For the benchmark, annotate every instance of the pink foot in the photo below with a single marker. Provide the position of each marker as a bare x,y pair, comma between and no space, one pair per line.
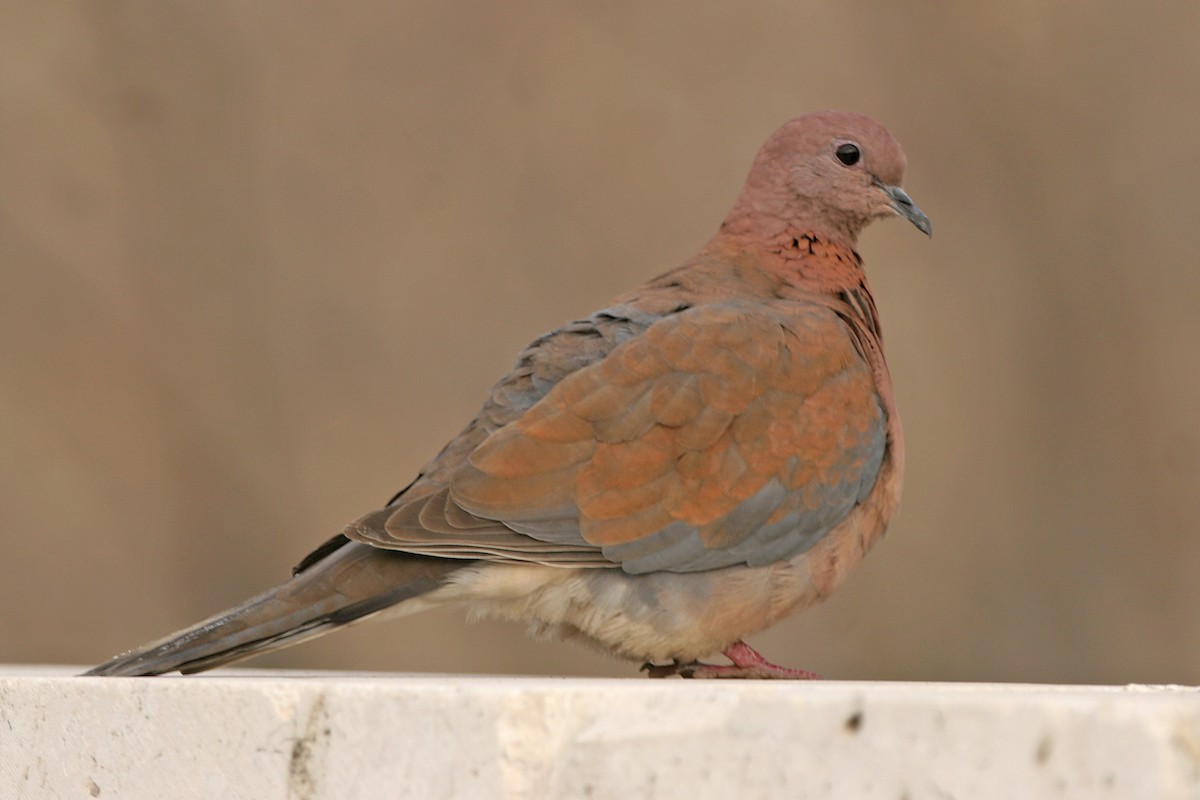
747,663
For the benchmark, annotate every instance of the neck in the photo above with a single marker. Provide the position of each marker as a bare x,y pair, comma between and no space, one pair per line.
802,255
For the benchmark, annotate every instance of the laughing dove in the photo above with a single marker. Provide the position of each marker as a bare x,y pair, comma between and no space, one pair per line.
709,453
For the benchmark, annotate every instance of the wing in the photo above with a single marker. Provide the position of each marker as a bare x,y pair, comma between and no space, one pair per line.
729,434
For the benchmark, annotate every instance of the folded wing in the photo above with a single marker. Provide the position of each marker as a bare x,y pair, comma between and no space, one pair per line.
721,435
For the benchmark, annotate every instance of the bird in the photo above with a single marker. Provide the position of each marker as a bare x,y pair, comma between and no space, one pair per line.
705,455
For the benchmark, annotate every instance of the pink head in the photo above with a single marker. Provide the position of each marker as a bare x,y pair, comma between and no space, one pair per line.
829,173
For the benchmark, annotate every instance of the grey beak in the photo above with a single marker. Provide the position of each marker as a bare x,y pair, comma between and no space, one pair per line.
905,207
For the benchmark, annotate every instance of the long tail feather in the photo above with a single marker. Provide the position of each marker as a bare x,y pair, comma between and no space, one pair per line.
351,583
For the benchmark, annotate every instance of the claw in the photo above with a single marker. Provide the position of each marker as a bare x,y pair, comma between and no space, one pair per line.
747,664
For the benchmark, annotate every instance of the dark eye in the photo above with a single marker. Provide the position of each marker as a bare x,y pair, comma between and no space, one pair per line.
848,154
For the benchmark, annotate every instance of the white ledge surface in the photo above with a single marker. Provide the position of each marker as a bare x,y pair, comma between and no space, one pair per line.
265,735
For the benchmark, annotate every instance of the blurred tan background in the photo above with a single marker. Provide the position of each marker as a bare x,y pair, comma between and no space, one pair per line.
258,261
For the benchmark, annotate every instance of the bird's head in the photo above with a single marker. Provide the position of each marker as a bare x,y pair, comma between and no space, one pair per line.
831,172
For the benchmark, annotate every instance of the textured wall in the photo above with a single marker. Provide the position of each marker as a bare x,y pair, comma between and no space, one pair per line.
259,260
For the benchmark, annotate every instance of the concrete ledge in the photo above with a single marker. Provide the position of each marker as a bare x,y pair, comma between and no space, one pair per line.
265,735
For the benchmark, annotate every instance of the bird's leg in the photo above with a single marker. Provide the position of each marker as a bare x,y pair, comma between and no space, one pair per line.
747,663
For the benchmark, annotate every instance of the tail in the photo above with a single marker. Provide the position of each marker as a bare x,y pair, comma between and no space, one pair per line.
350,583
